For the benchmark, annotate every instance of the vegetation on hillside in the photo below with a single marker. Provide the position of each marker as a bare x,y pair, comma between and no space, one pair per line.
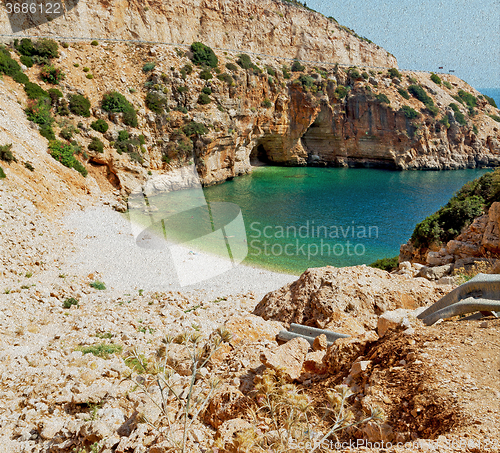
469,202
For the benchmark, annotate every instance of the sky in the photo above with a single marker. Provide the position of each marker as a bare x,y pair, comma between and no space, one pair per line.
462,35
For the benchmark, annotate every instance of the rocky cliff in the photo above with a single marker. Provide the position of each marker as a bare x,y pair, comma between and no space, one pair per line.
277,28
224,118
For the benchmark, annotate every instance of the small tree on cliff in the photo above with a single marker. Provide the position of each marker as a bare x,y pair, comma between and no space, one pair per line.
203,55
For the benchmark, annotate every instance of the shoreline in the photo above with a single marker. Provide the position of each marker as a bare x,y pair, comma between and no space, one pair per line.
106,245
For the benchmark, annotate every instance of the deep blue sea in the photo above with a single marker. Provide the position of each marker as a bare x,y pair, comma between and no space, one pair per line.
297,218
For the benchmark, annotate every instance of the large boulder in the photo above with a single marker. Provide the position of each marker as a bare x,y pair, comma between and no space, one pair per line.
345,299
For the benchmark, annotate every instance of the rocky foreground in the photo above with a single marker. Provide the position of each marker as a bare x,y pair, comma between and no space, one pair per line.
90,369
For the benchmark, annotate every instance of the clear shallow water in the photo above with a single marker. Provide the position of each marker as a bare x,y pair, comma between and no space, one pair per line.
297,218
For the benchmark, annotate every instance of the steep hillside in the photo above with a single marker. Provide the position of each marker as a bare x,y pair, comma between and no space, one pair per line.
271,27
245,109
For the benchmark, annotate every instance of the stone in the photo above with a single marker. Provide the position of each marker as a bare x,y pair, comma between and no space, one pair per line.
374,432
359,367
314,362
491,237
320,343
229,429
329,296
391,319
227,403
435,273
51,427
288,358
341,354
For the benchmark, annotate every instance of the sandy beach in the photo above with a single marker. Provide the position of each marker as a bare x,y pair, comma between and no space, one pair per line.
106,244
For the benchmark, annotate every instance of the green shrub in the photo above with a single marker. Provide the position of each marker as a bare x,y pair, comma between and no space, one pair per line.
20,77
27,61
474,128
365,75
94,43
46,48
85,69
194,128
187,68
204,99
491,101
205,75
459,116
96,145
26,48
98,285
306,81
63,108
495,117
232,67
6,153
8,65
149,66
341,92
469,202
271,71
51,74
67,133
54,95
69,302
29,166
394,73
79,105
267,103
404,93
155,102
64,153
418,92
102,350
447,222
409,112
206,90
386,264
286,72
182,89
244,61
90,76
115,102
354,73
468,98
383,98
37,59
2,174
47,132
99,126
436,79
34,91
432,109
445,121
297,66
447,84
225,77
38,111
203,55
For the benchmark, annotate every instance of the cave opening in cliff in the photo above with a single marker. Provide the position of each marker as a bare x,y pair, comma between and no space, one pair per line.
258,156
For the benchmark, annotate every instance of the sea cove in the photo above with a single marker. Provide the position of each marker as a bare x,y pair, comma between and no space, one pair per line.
301,217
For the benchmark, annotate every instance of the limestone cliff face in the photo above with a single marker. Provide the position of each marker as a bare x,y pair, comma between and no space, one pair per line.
270,27
319,115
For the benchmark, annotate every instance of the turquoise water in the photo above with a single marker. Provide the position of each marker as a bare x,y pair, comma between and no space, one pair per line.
333,216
